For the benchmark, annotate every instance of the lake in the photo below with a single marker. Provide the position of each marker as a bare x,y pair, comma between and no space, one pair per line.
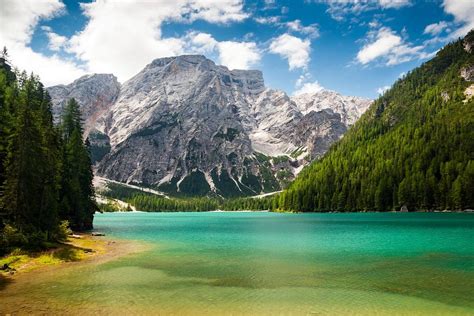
269,263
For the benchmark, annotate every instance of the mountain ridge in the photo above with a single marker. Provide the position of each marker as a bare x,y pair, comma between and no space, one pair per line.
188,126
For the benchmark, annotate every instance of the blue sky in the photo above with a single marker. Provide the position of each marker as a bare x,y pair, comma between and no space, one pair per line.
353,47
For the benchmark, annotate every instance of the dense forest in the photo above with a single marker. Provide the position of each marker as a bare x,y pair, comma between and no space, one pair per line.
149,202
414,147
45,169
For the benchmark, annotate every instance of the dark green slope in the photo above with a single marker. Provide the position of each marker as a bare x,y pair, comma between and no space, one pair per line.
414,147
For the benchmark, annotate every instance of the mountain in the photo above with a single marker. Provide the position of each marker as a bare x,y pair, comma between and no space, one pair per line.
412,150
350,108
95,93
187,126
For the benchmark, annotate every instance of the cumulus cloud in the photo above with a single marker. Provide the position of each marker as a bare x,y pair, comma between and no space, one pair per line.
19,19
386,46
214,11
238,55
309,87
122,37
56,41
311,30
463,12
52,70
435,28
202,43
234,55
293,49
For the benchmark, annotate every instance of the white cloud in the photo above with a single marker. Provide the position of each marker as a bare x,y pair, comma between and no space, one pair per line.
214,11
390,48
463,12
122,37
234,55
19,19
292,48
384,43
395,4
238,55
309,87
56,41
338,9
311,30
435,28
52,70
382,90
202,43
268,19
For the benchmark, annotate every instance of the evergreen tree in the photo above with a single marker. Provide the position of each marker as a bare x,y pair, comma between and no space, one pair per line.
45,171
30,186
77,193
413,147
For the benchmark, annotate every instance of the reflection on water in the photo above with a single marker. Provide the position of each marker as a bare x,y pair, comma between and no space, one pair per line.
263,263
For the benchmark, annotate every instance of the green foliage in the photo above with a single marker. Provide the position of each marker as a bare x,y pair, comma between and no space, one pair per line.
63,231
249,204
41,166
414,147
261,158
280,159
149,203
77,193
194,184
111,207
121,192
11,238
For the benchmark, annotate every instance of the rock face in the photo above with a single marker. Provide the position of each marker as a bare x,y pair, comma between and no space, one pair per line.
94,93
468,73
188,126
350,108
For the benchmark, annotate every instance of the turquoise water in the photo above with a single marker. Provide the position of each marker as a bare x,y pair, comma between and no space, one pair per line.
267,263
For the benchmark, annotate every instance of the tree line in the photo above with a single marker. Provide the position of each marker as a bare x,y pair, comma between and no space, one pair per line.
149,202
414,147
45,169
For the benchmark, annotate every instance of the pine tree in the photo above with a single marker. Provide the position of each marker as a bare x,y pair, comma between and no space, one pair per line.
29,197
77,193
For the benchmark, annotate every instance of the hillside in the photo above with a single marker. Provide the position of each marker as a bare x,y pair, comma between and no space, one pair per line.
414,147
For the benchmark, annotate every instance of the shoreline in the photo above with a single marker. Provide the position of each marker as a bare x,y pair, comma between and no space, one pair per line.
80,249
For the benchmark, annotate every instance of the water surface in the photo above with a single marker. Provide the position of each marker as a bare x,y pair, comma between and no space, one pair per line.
266,263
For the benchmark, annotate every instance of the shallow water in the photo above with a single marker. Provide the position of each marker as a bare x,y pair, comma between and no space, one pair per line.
266,263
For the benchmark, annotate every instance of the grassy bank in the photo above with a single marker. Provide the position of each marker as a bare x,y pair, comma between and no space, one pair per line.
75,249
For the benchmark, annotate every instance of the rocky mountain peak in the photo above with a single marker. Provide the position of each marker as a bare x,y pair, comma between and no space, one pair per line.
188,126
